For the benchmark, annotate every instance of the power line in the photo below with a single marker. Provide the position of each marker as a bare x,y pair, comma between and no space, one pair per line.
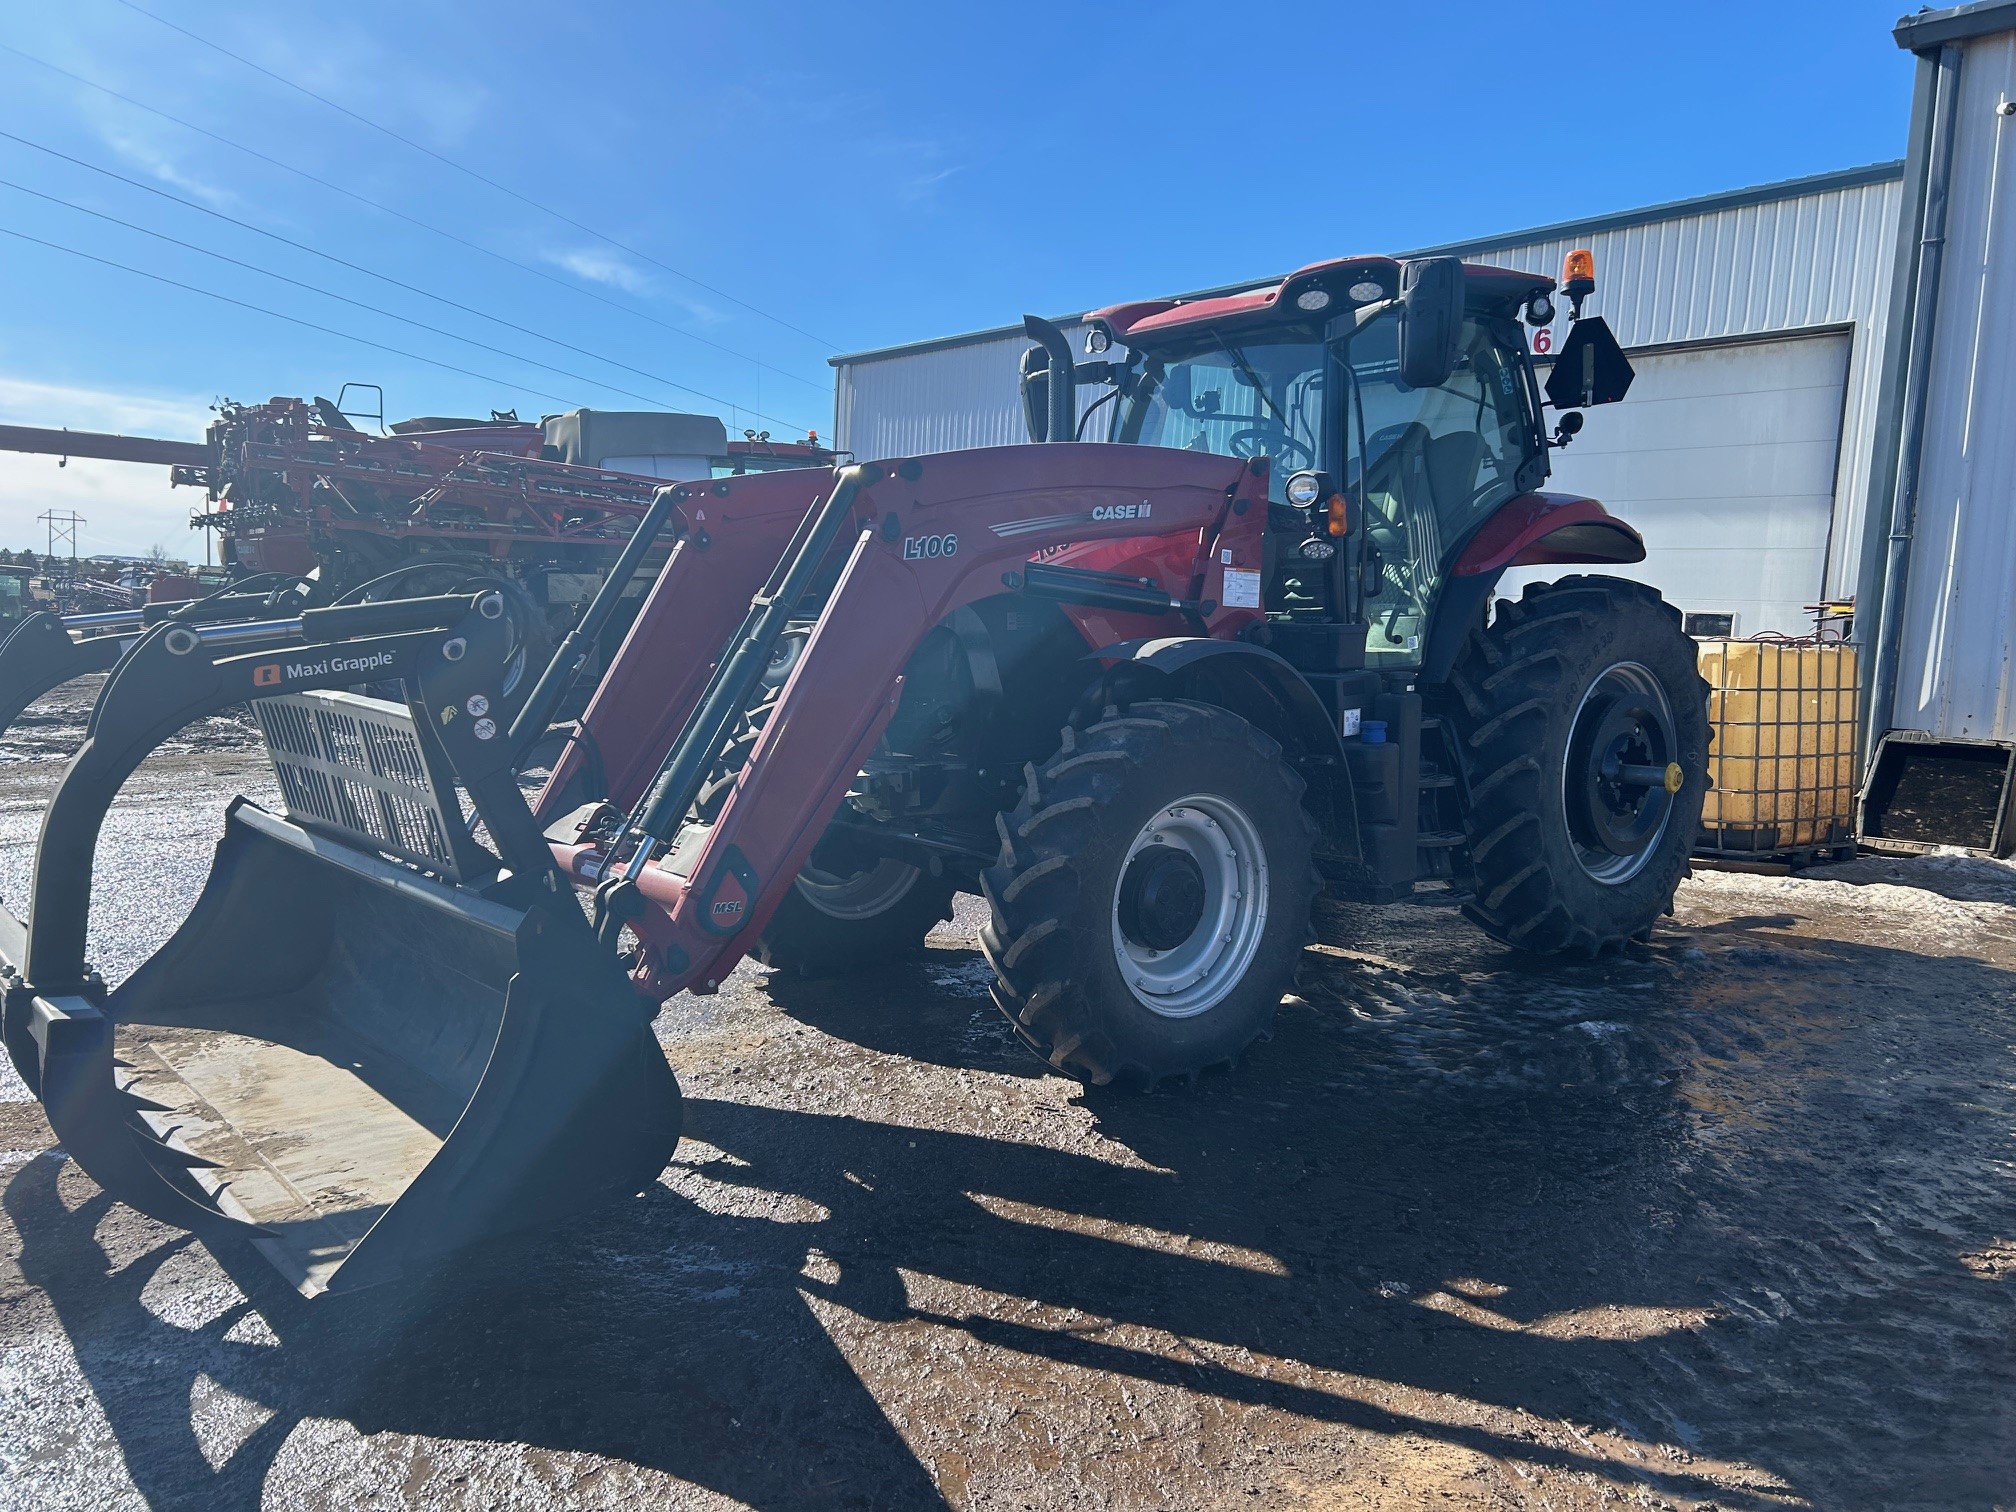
413,220
480,178
172,283
371,308
396,283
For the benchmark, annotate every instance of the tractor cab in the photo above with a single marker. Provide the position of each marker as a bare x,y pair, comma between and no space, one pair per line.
1395,400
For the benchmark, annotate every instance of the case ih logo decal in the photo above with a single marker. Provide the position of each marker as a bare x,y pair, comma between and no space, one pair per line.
1046,524
921,548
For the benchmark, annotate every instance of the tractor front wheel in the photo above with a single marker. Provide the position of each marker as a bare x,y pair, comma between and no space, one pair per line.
1584,730
834,922
1152,898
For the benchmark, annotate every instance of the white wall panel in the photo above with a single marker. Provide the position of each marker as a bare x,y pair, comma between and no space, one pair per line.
1957,675
1724,459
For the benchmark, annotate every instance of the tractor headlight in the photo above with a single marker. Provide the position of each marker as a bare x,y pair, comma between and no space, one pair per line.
1303,489
1540,310
1097,341
1316,549
1312,300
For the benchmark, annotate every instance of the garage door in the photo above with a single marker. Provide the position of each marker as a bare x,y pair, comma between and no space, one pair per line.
1723,458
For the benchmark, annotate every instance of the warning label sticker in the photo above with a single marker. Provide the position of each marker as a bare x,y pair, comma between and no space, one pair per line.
1242,588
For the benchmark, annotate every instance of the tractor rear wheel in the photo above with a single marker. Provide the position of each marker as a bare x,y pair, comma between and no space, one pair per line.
1152,897
1584,730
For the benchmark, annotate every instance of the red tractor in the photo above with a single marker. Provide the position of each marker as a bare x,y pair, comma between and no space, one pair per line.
1150,696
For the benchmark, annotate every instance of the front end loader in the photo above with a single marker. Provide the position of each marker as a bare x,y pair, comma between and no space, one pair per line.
1150,695
359,1063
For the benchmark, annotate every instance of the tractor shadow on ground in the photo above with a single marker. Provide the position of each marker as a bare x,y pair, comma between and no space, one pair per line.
933,1008
1678,1197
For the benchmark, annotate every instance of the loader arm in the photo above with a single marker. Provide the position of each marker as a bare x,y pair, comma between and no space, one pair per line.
729,534
922,538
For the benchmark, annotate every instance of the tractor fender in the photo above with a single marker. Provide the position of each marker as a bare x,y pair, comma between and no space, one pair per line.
1534,528
1262,688
1527,530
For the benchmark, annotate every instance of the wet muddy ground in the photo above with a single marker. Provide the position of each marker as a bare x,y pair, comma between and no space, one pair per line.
1730,1222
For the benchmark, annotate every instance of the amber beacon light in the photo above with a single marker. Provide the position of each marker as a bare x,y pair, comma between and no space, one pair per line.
1578,277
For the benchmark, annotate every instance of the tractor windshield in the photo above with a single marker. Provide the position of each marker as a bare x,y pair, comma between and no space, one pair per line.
1235,399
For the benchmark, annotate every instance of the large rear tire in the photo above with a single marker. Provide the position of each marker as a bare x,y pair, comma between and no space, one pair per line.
1584,729
1152,898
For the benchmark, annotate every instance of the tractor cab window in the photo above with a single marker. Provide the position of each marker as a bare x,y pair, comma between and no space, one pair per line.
1433,463
1236,399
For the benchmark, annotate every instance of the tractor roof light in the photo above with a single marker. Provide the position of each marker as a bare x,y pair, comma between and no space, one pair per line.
1578,278
1097,340
1312,300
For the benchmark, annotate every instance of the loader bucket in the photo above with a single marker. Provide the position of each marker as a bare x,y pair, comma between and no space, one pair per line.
362,1070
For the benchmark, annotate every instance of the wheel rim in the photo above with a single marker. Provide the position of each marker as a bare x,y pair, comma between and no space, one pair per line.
1619,779
1190,905
858,895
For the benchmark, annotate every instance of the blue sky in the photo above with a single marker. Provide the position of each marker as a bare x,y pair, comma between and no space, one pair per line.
793,181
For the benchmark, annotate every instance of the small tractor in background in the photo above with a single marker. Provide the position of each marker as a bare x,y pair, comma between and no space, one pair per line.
1149,695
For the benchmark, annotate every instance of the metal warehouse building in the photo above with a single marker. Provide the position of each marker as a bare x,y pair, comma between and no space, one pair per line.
1755,321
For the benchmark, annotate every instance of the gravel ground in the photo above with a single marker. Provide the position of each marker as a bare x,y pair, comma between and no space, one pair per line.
1730,1222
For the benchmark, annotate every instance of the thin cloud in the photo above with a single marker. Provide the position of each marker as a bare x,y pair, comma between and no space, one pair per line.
924,186
140,149
128,507
30,401
600,267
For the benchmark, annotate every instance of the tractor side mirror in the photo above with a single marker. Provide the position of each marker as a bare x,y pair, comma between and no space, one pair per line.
1431,320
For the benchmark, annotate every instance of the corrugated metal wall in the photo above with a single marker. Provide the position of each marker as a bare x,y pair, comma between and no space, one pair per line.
946,399
1782,265
1806,260
1957,673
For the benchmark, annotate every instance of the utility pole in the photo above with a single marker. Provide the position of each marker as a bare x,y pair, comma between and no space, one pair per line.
63,532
